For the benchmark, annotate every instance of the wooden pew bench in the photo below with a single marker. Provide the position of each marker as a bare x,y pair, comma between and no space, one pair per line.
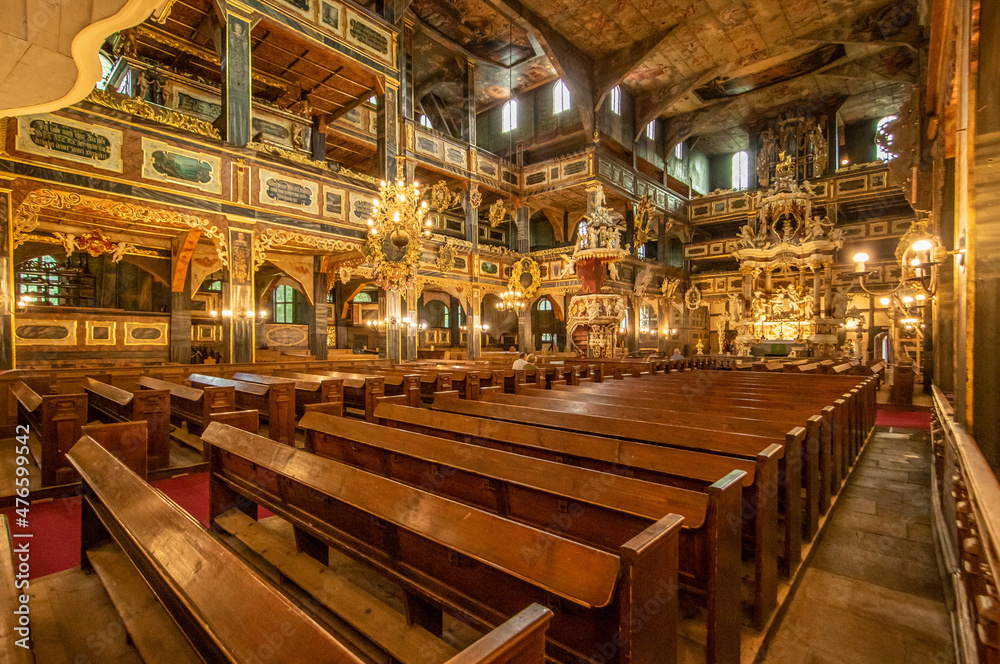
312,389
594,508
361,390
192,406
272,397
15,636
54,421
449,557
184,597
778,460
151,406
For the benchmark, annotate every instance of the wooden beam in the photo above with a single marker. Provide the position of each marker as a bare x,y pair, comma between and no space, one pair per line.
574,66
651,106
350,106
184,248
616,66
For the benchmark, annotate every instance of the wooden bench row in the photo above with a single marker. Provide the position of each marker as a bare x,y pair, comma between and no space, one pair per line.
184,596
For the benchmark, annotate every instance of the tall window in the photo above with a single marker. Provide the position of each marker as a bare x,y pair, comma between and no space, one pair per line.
560,97
284,304
616,100
508,120
741,170
426,121
883,139
363,297
651,130
544,305
645,316
679,150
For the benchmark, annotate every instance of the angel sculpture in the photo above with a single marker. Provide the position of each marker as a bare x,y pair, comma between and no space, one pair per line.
817,229
118,252
746,237
613,271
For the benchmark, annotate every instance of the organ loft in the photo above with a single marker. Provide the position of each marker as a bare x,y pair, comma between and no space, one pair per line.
499,332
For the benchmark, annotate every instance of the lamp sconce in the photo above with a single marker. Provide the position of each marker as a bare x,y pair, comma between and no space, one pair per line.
921,263
22,304
242,314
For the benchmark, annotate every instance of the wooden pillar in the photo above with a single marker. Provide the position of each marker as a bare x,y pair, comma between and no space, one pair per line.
319,317
8,294
984,240
241,296
828,288
318,138
817,286
233,46
456,327
393,328
387,132
470,101
180,297
406,68
525,341
833,145
471,221
473,324
413,329
752,150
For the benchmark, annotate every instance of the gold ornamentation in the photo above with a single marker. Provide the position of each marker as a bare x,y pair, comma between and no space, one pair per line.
692,298
643,216
26,218
767,154
497,213
397,233
442,198
285,153
331,336
131,328
62,238
110,325
148,111
346,172
475,196
445,257
271,237
526,264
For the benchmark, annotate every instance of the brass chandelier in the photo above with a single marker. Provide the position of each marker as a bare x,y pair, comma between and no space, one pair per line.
396,232
512,300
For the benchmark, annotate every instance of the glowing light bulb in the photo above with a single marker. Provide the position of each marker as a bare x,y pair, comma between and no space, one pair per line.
922,245
915,262
907,299
921,297
395,215
884,302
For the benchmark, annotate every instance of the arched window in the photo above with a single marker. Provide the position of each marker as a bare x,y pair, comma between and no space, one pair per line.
426,121
508,120
363,297
437,314
679,150
651,130
560,97
544,305
883,139
616,100
284,304
741,170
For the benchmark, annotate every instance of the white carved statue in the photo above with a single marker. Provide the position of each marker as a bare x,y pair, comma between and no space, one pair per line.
840,304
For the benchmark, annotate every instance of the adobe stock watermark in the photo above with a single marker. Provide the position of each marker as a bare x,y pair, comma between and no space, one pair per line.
21,537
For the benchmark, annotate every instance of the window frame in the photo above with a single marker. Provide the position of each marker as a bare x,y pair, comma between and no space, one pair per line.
651,130
562,100
425,121
284,305
741,170
508,116
679,150
616,100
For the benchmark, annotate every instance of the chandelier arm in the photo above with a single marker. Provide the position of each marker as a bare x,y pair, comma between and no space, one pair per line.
877,293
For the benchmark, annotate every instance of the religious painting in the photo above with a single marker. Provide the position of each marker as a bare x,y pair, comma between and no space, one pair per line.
44,332
329,15
101,333
300,7
731,86
288,192
145,334
61,138
335,203
165,163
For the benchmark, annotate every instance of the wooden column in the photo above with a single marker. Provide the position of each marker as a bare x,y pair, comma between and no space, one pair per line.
752,150
470,101
525,341
471,221
241,302
318,138
406,68
319,317
412,331
8,294
393,329
473,321
388,132
233,47
181,251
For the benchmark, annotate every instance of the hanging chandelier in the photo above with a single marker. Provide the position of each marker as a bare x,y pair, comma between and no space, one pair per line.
512,300
397,228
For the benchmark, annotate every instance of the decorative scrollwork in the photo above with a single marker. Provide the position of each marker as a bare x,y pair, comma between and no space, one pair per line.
290,155
26,218
498,212
692,298
445,257
442,198
159,114
530,266
669,287
643,229
475,196
274,237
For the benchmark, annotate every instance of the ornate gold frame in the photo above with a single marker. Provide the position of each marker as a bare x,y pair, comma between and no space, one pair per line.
529,264
164,339
112,339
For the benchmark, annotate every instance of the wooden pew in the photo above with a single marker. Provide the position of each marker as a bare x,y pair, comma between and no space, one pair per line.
15,633
606,402
311,389
450,557
150,406
54,421
778,459
272,397
191,405
127,441
591,507
360,390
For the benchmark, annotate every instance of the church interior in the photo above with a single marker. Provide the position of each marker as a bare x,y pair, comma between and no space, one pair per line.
346,331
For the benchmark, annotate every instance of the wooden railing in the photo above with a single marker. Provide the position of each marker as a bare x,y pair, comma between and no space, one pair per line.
966,504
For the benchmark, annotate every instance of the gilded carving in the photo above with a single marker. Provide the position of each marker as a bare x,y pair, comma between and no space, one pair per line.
148,111
273,237
498,212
